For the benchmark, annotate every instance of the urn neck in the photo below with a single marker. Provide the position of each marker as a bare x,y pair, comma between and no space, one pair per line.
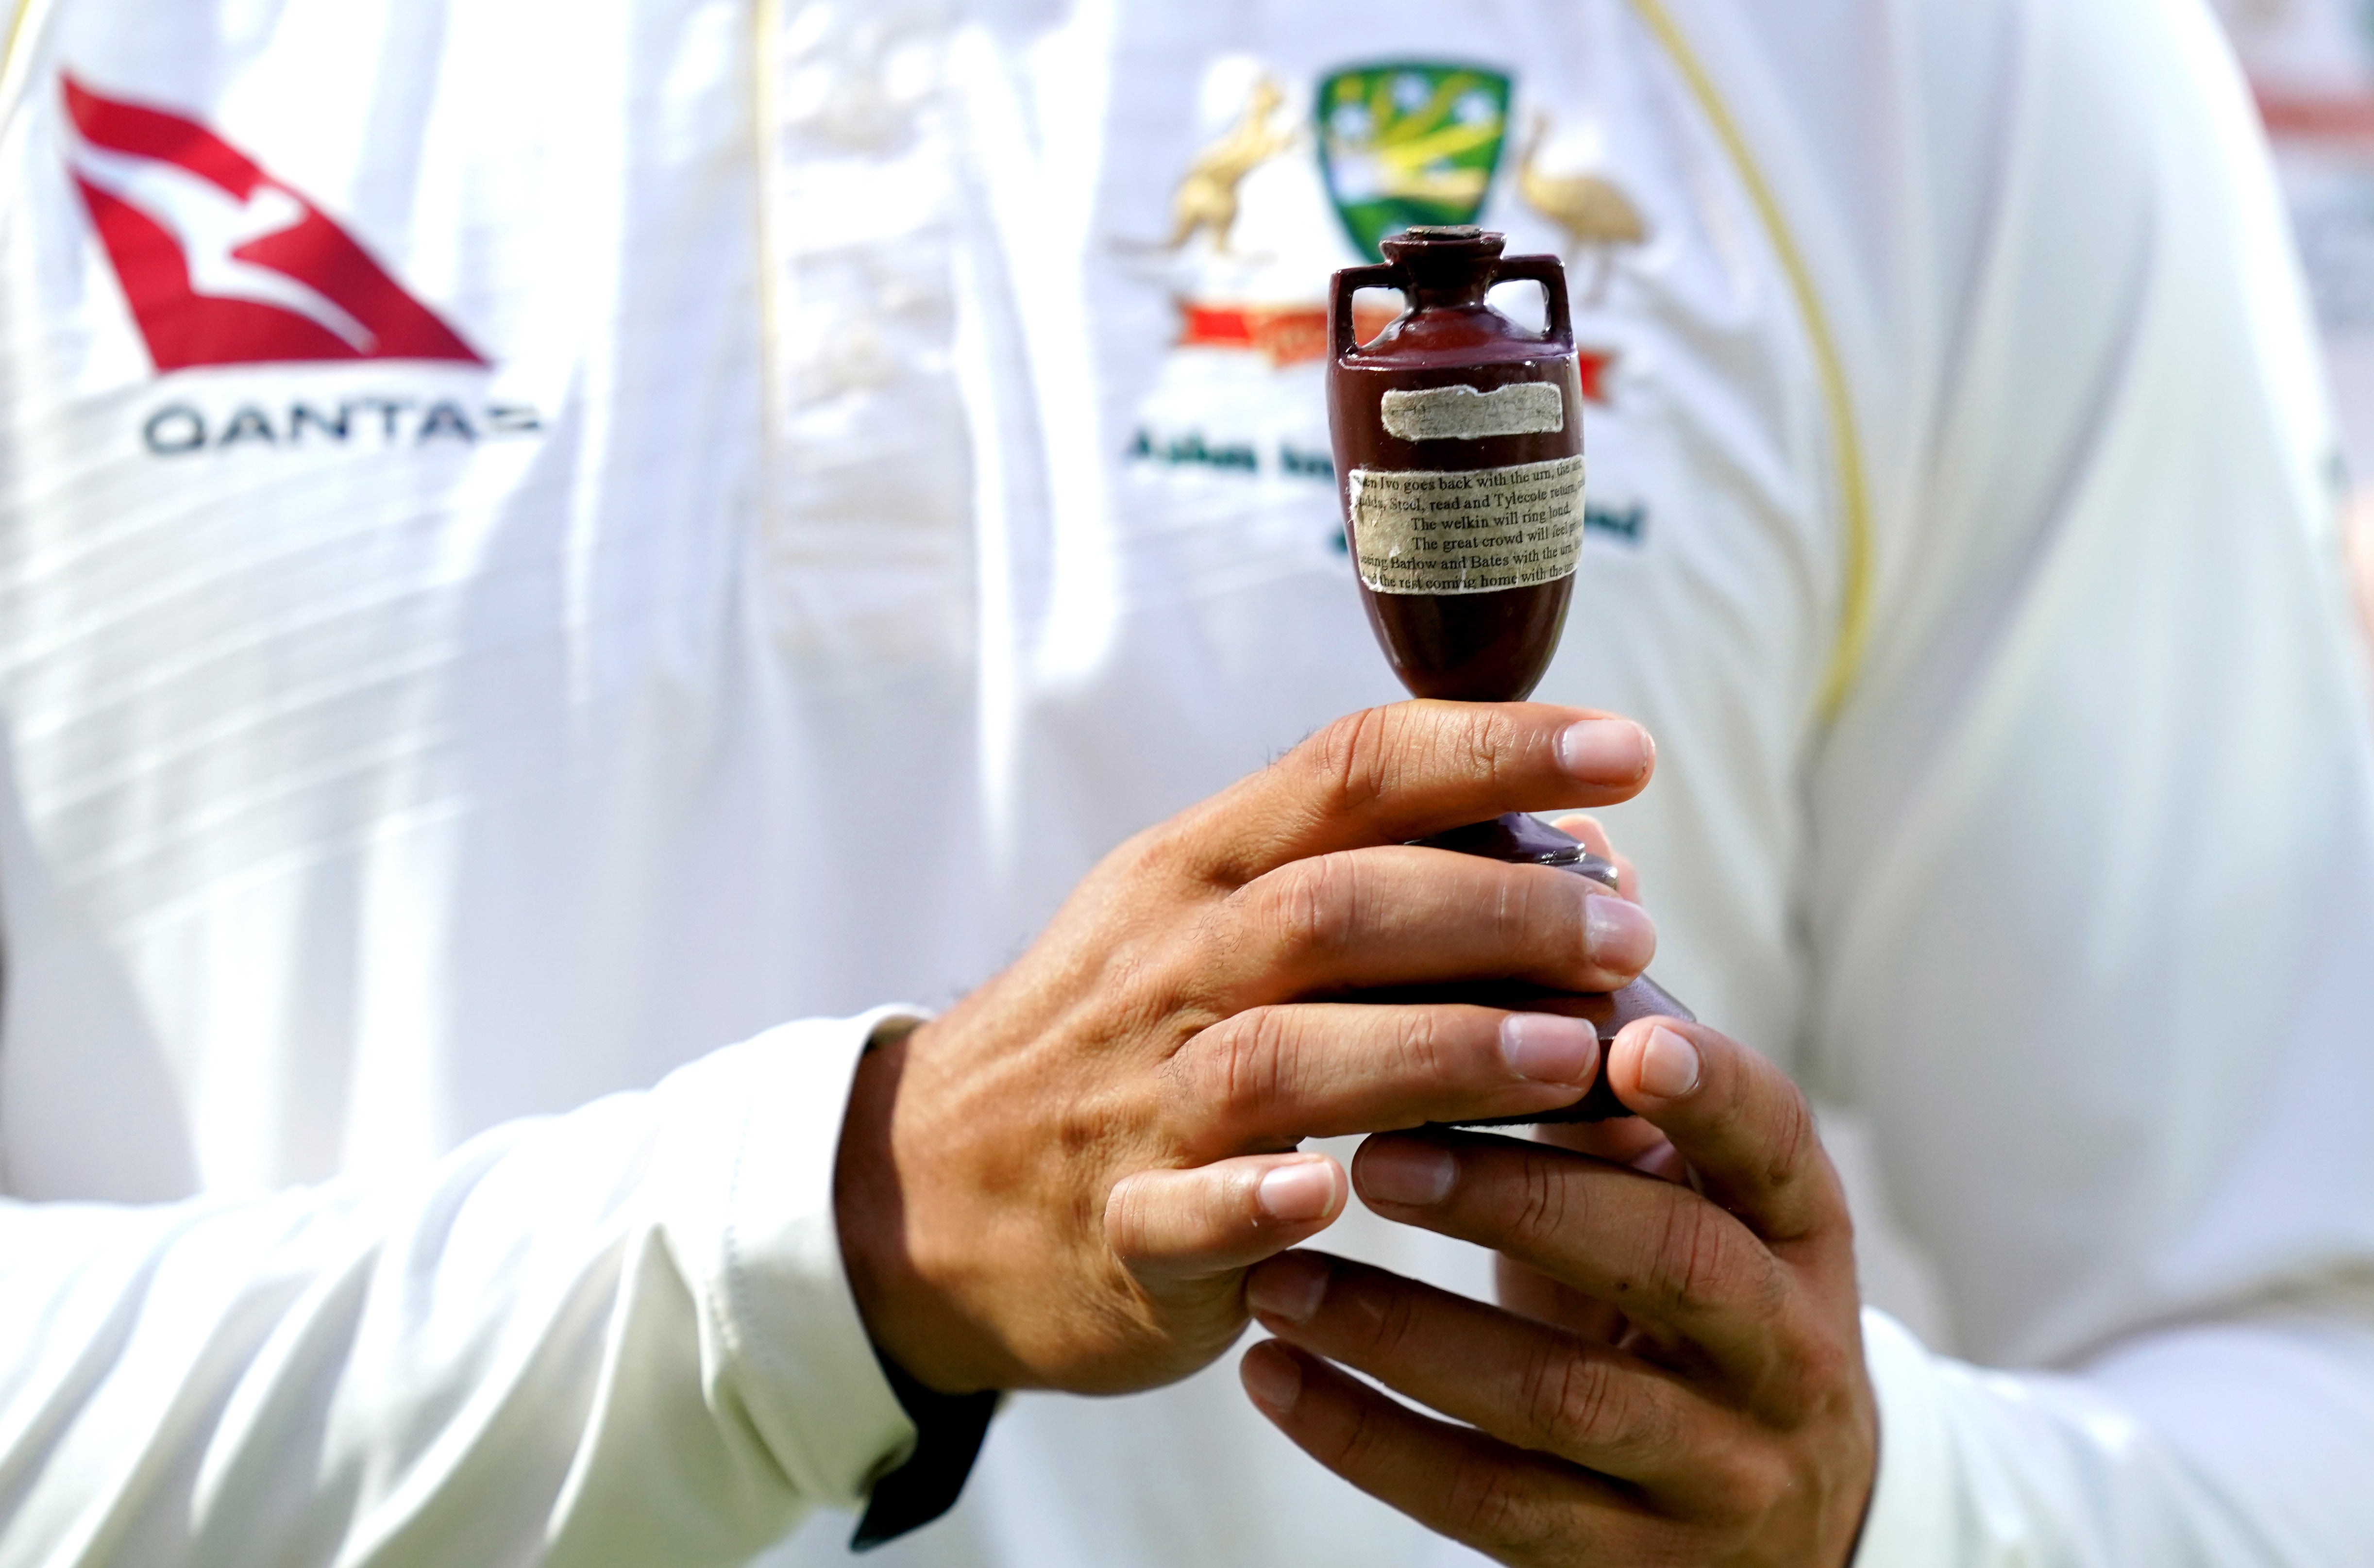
1447,267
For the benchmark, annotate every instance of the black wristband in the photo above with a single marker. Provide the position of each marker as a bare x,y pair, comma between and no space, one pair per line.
948,1433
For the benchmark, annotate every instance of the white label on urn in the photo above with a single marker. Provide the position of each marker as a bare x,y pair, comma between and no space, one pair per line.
1472,532
1465,414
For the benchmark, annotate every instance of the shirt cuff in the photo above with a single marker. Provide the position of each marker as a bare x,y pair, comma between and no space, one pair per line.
1912,1498
948,1433
758,1135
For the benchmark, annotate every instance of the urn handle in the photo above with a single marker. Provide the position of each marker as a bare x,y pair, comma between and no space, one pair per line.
1344,285
1550,273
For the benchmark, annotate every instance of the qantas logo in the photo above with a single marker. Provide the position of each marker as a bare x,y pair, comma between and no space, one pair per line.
222,264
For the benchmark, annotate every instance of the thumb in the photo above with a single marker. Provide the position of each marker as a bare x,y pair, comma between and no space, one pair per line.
1172,1226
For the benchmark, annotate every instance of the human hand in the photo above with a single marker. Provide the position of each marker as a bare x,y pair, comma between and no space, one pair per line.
1686,1383
1594,839
1059,1183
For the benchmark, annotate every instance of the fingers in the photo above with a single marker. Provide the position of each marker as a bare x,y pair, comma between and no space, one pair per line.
1516,1505
1620,1140
1594,839
1172,1225
1663,1254
1535,1295
1397,916
1522,1382
1388,774
1317,1070
1744,1128
1627,1142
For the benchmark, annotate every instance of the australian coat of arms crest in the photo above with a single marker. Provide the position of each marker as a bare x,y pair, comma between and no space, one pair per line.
1408,144
1290,182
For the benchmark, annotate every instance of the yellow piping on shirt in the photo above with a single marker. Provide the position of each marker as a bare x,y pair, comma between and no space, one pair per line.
1854,611
16,14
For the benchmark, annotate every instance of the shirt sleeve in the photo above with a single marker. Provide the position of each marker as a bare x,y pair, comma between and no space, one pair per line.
2091,905
622,1336
2089,898
2160,1453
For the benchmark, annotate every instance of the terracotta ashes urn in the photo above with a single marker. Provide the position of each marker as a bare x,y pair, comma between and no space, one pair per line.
1458,441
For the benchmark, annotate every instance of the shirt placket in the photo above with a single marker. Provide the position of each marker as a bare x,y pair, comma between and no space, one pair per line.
864,540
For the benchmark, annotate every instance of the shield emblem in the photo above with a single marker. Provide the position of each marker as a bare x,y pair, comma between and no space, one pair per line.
1408,144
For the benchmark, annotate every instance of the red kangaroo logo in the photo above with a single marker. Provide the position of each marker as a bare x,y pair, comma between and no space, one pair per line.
222,264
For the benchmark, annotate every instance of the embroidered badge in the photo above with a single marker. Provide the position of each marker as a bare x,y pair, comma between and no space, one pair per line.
1598,218
1204,201
1409,142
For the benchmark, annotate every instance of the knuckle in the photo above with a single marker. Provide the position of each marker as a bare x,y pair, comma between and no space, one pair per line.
1793,1142
1594,1405
1389,1322
1706,1266
1755,1483
1421,1046
1538,1208
1312,907
1485,1502
1242,1064
1835,1361
1819,1366
1367,1442
1351,762
1517,907
1484,742
1183,856
1084,1127
1574,1400
1546,915
1128,1227
1359,760
1159,850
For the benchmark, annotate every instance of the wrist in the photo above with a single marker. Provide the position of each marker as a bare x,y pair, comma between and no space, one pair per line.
911,1318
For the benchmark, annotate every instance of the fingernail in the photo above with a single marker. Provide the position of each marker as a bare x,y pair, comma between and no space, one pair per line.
1619,932
1406,1172
1669,1065
1292,1194
1548,1049
1273,1377
1290,1285
1605,750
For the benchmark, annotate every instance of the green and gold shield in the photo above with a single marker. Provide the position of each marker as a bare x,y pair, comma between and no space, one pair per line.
1409,142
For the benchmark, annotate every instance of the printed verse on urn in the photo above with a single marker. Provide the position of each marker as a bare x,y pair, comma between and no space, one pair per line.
1472,532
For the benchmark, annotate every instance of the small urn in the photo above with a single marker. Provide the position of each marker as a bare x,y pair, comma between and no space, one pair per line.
1458,441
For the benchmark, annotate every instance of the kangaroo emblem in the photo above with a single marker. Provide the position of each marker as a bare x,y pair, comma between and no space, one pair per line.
1205,200
1598,218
